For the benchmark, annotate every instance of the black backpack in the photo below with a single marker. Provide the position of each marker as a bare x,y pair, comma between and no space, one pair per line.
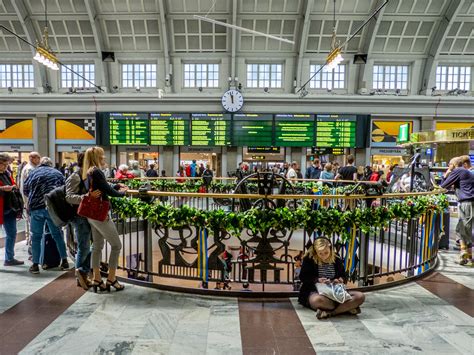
17,203
60,211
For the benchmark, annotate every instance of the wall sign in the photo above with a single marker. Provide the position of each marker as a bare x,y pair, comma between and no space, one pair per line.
17,148
16,130
385,133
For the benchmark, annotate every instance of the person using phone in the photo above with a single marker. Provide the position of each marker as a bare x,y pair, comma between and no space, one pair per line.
322,265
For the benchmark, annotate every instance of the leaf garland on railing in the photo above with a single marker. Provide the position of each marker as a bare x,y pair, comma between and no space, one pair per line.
323,220
229,187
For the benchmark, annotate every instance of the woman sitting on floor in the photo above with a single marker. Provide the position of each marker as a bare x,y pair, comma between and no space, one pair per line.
322,265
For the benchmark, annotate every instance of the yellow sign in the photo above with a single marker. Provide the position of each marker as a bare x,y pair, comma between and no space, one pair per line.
452,135
387,131
15,129
455,135
441,126
74,129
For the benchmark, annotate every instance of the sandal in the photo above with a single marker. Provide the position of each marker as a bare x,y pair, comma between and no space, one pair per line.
115,284
82,280
355,311
320,314
99,285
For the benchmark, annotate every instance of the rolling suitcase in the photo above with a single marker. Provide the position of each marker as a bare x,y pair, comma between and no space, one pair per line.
51,257
444,238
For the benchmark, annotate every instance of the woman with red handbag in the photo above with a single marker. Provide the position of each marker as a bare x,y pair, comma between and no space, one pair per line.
97,212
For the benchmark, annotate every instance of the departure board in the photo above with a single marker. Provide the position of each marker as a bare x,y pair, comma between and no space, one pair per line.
336,131
252,130
169,129
211,129
293,130
128,128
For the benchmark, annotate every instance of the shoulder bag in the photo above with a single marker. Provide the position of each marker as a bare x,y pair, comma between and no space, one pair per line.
93,208
335,292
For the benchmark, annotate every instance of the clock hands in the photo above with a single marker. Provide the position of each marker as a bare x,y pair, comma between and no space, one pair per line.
232,98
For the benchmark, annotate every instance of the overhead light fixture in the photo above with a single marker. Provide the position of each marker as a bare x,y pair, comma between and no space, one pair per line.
335,56
44,54
334,59
243,29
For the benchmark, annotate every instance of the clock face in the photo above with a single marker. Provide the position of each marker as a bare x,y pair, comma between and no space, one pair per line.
232,100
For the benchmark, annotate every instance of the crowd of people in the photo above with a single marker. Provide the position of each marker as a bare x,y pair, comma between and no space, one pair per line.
38,178
320,265
318,170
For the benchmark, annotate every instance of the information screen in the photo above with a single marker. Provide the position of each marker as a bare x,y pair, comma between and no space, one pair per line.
294,130
211,129
253,130
336,131
128,128
169,129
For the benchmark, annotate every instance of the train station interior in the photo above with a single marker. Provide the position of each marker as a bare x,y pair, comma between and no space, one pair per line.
236,176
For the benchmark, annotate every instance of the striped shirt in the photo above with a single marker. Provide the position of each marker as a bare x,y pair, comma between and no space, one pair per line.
39,182
326,271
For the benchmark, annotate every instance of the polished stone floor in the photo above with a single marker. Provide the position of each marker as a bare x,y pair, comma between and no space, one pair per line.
408,319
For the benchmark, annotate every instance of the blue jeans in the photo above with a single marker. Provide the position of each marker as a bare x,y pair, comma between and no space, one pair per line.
82,231
9,226
38,218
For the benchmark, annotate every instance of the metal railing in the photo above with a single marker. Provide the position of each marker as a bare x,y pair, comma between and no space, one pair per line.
162,255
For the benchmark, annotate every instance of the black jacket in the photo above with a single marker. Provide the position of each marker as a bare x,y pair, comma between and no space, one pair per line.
309,276
100,183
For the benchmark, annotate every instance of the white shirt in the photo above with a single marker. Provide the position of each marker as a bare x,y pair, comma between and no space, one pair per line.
24,174
291,174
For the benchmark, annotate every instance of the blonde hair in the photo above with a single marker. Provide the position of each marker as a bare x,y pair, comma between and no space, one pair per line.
328,167
456,161
464,159
91,160
321,244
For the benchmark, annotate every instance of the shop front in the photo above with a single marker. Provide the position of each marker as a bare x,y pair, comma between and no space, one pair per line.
204,156
387,157
72,136
263,158
383,151
16,139
143,155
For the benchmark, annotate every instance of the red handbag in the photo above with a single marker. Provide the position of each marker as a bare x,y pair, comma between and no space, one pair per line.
93,208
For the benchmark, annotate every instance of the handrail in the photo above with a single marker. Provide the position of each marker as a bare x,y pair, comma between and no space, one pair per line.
405,245
234,178
283,197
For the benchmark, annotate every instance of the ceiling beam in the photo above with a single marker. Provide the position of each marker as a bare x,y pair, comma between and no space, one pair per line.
428,79
24,17
367,44
165,40
92,13
303,42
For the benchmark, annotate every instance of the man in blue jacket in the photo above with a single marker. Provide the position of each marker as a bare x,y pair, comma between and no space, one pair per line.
314,171
462,178
40,181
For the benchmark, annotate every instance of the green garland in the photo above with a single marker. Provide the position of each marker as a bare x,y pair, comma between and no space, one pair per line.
324,220
221,187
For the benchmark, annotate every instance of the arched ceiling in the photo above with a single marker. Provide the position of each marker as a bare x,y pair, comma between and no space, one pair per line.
407,26
149,28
